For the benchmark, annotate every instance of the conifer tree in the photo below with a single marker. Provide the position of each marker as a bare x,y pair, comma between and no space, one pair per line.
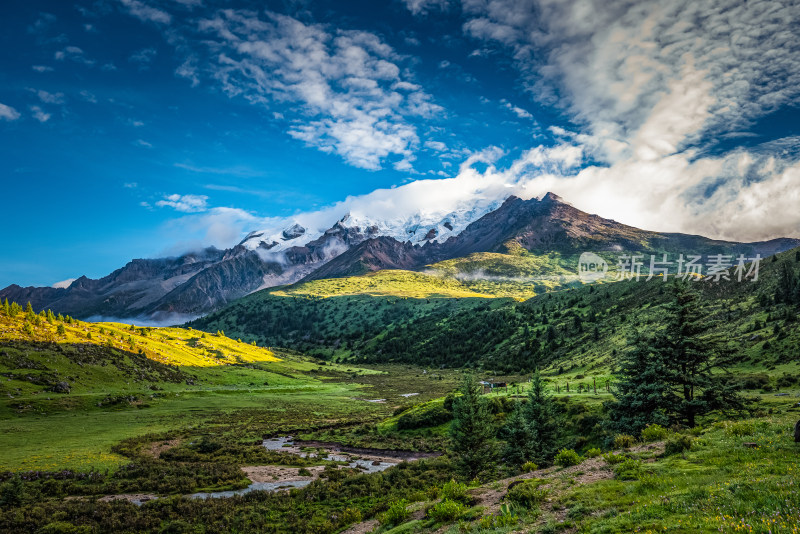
640,389
517,435
787,288
471,431
533,430
7,308
543,421
674,372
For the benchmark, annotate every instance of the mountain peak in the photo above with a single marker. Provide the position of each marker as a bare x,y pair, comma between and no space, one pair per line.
552,197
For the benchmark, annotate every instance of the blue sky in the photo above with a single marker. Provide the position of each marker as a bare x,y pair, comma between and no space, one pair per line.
140,128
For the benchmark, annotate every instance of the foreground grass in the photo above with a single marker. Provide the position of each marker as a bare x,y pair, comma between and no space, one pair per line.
720,485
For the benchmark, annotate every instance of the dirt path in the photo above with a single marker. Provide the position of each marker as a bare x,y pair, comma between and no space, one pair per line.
491,495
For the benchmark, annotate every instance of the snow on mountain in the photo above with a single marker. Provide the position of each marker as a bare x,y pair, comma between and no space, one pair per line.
434,224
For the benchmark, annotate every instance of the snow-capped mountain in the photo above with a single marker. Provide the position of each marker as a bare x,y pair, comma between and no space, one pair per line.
328,246
417,227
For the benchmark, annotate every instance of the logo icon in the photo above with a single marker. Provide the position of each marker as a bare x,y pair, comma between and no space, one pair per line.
591,267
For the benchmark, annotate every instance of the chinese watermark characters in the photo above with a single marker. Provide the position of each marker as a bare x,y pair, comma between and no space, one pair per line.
713,268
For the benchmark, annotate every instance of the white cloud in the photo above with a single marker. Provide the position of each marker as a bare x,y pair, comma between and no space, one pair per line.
649,82
188,70
39,114
7,113
518,111
50,98
349,93
185,203
64,283
146,13
88,97
142,143
42,68
418,7
220,227
143,57
73,53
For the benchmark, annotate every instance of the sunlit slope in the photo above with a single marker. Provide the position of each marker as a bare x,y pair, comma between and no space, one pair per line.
389,282
50,363
519,274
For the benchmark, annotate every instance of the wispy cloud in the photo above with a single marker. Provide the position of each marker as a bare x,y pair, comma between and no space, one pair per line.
228,171
142,143
39,114
143,57
73,53
7,113
42,68
418,7
349,93
146,13
518,111
185,203
49,98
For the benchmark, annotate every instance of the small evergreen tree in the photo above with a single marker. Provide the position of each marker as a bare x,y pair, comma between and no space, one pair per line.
471,431
7,308
787,289
640,390
517,435
543,421
60,330
533,430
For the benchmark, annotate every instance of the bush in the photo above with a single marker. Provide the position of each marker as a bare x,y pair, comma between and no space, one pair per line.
613,459
654,433
677,445
60,527
446,511
351,515
424,417
527,467
740,429
396,514
624,441
454,491
594,452
629,469
567,457
303,472
527,494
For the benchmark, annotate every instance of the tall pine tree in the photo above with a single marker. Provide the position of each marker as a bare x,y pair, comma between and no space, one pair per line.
471,432
544,422
640,390
677,372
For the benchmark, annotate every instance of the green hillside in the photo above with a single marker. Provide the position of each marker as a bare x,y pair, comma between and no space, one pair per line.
102,382
575,331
